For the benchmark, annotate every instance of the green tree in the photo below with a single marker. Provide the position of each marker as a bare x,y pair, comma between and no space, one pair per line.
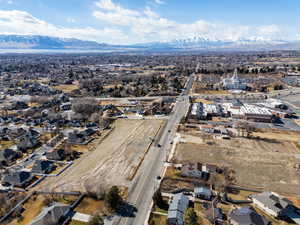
113,198
190,217
158,199
96,220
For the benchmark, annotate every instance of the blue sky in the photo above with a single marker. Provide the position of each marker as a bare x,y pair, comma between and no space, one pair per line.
134,21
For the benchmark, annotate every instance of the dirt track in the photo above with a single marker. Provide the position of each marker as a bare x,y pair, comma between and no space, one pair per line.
113,161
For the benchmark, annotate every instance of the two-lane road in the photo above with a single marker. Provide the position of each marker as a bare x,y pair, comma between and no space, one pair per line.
145,183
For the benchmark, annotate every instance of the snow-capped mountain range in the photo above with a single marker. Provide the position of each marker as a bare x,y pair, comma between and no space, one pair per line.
189,44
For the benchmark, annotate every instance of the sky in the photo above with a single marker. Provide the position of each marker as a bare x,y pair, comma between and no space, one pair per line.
142,21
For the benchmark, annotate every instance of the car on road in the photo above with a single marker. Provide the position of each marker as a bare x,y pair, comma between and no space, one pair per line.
158,177
169,131
159,145
278,125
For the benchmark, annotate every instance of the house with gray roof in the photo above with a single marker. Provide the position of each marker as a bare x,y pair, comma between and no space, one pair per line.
247,216
270,202
42,167
18,179
59,154
203,193
7,156
195,170
276,206
53,214
179,204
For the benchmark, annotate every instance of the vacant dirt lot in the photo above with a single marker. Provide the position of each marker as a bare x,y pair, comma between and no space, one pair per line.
114,160
259,163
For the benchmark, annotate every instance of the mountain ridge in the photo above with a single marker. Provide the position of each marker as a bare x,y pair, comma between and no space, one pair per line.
189,44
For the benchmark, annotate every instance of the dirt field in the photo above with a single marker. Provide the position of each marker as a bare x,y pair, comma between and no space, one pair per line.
113,161
259,163
67,88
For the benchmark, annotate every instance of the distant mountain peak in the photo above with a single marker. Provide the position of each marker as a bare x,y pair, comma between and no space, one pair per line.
45,42
196,43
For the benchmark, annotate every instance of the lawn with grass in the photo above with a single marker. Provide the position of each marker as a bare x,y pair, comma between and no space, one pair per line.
32,209
156,219
91,206
74,222
6,144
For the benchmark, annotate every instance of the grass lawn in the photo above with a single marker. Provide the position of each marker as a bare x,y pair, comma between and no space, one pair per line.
90,206
68,199
225,208
172,173
6,144
158,219
199,209
32,208
73,222
242,195
157,209
80,148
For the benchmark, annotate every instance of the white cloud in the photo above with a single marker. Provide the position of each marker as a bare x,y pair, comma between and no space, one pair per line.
23,23
7,1
132,26
147,26
159,2
268,30
71,20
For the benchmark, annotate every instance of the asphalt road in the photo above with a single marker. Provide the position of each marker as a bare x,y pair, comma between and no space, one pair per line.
145,183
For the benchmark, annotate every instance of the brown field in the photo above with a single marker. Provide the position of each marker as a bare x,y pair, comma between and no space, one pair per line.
113,161
265,163
204,101
67,88
198,88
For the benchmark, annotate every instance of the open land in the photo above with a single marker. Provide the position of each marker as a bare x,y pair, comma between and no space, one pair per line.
264,163
114,160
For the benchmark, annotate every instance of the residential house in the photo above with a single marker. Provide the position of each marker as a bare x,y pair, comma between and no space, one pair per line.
270,202
42,167
27,142
7,156
247,216
66,106
56,155
18,105
53,214
179,204
80,137
18,179
276,206
16,133
196,170
203,193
